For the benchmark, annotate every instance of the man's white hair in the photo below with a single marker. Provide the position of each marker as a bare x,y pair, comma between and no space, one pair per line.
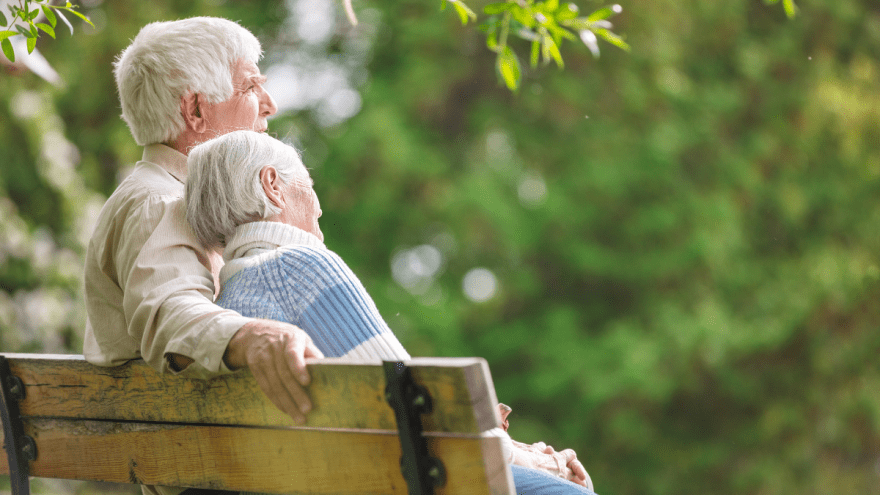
167,60
223,188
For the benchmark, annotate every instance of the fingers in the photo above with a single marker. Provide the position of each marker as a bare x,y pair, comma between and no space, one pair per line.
312,351
569,455
578,481
295,349
270,383
578,469
277,359
291,369
579,474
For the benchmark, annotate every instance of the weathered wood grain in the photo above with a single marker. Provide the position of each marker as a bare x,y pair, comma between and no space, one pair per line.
271,460
345,394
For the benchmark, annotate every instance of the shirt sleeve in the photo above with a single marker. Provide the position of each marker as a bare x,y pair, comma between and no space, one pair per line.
168,291
506,443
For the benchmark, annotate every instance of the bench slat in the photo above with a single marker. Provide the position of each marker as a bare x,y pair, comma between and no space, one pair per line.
345,394
281,460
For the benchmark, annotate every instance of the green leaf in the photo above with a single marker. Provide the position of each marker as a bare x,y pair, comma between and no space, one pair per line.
7,34
552,49
33,14
551,6
604,13
442,5
508,66
26,33
497,8
569,11
63,18
50,16
536,52
90,22
7,49
492,41
523,16
790,8
612,38
560,33
31,44
3,21
46,29
464,12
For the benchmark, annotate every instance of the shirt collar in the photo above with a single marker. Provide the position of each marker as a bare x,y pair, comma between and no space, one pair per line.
257,237
171,160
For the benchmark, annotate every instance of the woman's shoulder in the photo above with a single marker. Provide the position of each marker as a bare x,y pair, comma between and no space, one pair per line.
315,263
308,255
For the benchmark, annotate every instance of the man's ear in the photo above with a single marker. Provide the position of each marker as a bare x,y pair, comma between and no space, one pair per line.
190,107
272,185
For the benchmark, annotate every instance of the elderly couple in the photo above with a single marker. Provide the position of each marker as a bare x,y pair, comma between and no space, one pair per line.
193,97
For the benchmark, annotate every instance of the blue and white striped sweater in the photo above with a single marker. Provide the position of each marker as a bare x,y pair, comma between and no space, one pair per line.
280,272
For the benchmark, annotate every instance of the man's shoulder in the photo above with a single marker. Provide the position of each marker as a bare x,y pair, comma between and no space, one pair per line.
147,185
137,205
148,181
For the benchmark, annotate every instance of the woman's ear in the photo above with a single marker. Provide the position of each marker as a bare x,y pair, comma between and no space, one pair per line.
272,185
190,107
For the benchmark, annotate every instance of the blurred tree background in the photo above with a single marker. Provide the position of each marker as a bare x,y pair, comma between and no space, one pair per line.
670,258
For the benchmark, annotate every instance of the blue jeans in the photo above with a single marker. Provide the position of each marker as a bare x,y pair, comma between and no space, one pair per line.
533,482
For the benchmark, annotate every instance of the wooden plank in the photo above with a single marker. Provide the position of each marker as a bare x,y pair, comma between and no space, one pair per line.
345,394
280,460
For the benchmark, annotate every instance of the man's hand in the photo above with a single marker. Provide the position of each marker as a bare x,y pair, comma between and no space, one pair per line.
276,354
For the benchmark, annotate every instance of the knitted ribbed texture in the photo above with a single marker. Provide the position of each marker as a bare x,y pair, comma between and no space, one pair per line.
308,286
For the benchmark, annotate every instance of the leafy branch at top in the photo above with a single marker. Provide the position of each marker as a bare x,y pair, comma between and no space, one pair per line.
545,24
24,20
788,5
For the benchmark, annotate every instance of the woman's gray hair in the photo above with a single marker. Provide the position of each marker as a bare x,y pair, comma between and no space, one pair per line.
223,188
167,60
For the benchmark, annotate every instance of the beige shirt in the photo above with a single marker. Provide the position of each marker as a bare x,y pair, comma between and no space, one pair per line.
149,284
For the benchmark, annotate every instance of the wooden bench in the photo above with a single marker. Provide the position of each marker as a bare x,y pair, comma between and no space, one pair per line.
129,424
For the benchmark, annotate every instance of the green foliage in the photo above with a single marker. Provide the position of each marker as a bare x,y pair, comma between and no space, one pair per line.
27,12
544,25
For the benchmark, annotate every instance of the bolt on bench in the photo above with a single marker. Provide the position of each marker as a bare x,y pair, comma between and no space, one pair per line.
65,418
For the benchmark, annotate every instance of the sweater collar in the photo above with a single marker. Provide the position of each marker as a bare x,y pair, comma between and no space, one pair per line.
171,160
257,237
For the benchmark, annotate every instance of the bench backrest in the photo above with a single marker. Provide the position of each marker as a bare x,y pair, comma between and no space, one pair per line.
130,424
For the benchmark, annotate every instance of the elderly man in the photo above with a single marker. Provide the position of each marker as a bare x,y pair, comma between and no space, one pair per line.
149,283
252,195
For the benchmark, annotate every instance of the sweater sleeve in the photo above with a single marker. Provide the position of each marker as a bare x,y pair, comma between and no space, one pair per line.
325,298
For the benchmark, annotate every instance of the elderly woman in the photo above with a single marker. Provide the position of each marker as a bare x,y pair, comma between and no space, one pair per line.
252,195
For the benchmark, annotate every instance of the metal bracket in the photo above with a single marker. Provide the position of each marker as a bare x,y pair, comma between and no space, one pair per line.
20,448
409,400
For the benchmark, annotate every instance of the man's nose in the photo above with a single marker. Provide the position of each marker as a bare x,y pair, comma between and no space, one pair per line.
267,104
